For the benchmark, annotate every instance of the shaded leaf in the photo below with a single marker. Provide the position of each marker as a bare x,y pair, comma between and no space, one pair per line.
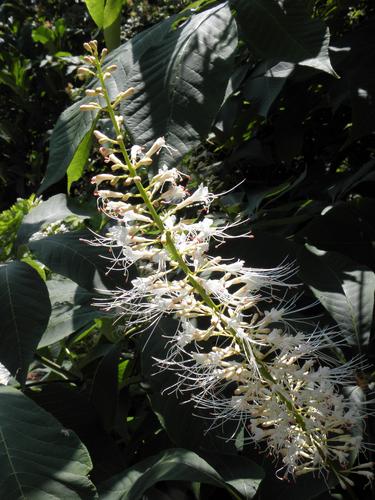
71,310
176,72
39,459
25,309
238,471
176,464
56,208
71,406
178,417
283,31
264,85
68,254
345,288
104,388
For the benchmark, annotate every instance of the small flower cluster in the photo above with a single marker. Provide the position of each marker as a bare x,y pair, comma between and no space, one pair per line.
239,349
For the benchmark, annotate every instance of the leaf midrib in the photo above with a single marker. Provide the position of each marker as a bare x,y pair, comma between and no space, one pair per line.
14,472
18,340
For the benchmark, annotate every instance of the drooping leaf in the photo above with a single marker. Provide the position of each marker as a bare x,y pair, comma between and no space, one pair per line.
264,84
283,31
238,471
345,228
346,290
38,458
58,207
71,310
69,254
176,464
25,309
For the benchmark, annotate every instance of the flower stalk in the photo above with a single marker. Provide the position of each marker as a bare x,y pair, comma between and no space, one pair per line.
238,351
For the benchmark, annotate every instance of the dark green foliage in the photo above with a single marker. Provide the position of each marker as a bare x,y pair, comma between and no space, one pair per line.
38,454
279,95
25,309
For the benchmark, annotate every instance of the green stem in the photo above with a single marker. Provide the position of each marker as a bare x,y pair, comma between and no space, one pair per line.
56,368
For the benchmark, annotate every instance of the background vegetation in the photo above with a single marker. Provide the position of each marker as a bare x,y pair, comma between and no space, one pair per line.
277,94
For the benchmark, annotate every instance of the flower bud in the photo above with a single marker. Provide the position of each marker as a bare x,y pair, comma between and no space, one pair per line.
101,138
103,54
105,193
89,107
97,179
89,59
85,71
155,148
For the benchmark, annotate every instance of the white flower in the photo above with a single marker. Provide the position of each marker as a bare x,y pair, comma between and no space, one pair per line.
201,195
4,375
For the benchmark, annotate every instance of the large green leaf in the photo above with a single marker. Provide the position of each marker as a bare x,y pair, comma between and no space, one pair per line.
56,208
177,72
176,465
38,458
70,255
346,289
25,309
71,310
283,31
180,76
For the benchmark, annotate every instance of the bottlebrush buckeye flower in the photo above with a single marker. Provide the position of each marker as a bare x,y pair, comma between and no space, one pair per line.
252,362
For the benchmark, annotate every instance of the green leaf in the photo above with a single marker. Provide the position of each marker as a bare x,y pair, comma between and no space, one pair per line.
112,10
56,208
346,290
79,160
71,310
176,71
174,465
96,11
25,309
104,389
264,85
69,254
283,31
43,35
38,458
69,144
238,471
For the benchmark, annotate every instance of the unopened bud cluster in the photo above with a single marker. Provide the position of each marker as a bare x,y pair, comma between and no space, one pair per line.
238,350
